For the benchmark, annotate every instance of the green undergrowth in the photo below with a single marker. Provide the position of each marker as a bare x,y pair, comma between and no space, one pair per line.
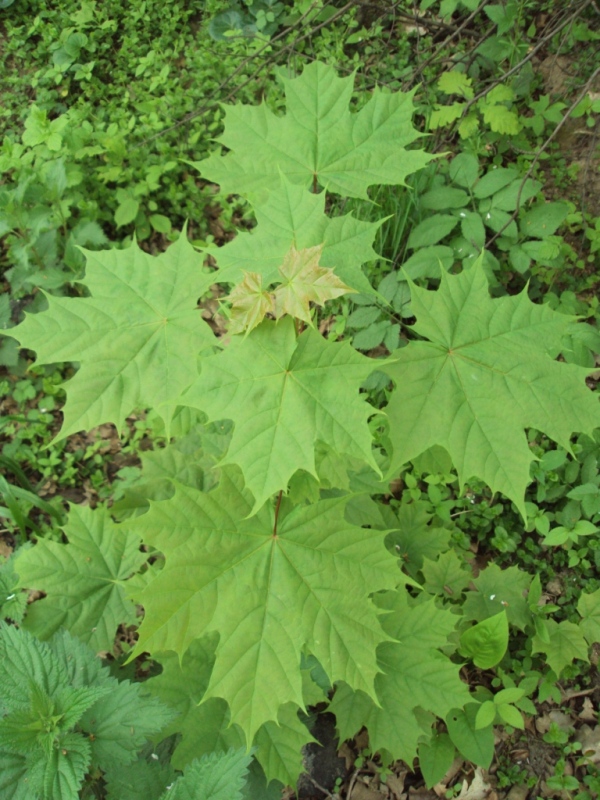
337,438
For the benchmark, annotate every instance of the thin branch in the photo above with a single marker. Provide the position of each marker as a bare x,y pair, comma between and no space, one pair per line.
538,155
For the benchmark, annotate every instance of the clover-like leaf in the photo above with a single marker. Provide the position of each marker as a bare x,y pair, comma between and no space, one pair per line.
485,376
283,394
318,141
246,578
293,217
134,337
83,580
305,282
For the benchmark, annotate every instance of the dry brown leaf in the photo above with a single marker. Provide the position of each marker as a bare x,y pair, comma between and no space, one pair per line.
588,713
590,742
478,789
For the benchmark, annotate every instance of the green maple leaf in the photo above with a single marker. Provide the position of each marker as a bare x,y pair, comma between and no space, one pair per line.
318,141
499,590
485,376
283,394
589,609
230,573
133,337
291,216
413,673
565,642
205,726
83,580
305,281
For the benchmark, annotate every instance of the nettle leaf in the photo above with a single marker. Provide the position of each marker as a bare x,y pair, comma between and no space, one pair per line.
413,673
218,776
230,573
485,376
318,141
293,217
305,281
59,774
283,394
83,580
133,337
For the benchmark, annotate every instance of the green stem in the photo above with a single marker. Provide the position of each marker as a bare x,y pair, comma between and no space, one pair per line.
278,504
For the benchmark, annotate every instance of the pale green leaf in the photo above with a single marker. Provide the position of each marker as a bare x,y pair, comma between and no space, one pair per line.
83,580
485,715
454,82
318,141
487,642
134,337
215,553
483,378
291,216
511,716
283,394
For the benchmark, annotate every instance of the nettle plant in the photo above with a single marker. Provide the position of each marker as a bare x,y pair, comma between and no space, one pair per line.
269,573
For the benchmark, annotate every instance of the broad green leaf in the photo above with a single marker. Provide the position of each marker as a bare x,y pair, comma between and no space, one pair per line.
432,230
543,220
493,181
25,660
511,716
305,281
589,609
142,780
283,394
279,746
435,758
464,169
136,337
83,580
13,777
413,673
485,376
487,642
121,723
182,684
217,776
443,198
318,141
565,642
428,262
498,590
293,217
215,553
474,745
13,601
250,303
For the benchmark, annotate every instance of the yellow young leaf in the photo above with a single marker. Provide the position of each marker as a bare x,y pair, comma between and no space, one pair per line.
249,303
305,282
